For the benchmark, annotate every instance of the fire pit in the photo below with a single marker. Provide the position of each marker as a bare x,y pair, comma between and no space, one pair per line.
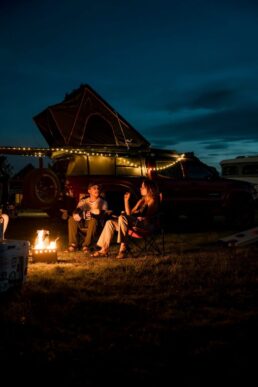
44,250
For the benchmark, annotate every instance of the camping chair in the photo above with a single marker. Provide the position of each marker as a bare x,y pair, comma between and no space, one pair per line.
147,242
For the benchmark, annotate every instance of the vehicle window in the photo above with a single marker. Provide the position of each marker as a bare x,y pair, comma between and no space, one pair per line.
128,166
250,169
101,165
196,171
104,165
229,170
173,171
77,166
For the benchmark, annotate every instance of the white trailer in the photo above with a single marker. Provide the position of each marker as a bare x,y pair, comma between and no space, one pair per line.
243,168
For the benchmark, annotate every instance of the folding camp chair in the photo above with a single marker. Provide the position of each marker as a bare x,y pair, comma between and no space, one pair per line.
143,242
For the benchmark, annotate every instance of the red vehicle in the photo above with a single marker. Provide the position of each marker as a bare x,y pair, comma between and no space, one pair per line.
89,140
189,187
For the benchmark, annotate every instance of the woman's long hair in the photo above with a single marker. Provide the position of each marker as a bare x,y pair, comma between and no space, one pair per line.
152,188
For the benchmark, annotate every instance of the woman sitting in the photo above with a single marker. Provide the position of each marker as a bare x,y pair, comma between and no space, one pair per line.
141,216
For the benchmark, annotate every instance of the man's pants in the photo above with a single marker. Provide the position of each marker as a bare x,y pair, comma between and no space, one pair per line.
90,229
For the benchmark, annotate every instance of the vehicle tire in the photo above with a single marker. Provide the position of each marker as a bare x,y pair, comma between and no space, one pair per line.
41,188
54,213
241,216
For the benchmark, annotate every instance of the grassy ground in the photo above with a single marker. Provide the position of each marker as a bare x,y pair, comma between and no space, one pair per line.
186,319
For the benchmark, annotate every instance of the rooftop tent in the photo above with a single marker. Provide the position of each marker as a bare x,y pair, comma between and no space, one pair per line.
84,119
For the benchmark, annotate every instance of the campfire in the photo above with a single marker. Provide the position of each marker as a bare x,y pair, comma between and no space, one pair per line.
44,250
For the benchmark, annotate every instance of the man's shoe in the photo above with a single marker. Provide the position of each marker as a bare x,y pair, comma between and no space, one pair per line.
71,249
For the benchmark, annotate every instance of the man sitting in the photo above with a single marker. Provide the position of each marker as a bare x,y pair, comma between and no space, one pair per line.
88,214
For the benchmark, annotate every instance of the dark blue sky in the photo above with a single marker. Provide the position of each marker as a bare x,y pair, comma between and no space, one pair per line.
183,73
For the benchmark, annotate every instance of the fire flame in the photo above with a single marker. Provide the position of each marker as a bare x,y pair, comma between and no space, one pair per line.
42,241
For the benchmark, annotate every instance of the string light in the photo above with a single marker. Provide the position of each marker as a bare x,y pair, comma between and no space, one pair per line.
129,163
169,165
57,152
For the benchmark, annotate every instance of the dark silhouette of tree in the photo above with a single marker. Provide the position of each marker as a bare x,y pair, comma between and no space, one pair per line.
6,170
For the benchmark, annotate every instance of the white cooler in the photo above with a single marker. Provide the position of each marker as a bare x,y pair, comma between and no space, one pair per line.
14,256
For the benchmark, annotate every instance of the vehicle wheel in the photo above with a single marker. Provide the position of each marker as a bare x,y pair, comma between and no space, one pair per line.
241,216
41,188
54,213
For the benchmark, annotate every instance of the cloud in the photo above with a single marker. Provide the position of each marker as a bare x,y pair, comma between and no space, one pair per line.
208,97
214,99
215,145
215,113
231,124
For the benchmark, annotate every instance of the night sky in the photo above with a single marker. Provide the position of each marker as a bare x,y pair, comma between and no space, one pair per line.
183,73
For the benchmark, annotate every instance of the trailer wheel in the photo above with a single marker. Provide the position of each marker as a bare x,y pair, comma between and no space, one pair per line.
41,188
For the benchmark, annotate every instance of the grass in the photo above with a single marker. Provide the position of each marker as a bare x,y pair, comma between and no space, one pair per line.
188,318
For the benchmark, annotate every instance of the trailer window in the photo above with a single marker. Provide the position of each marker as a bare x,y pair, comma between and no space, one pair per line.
230,170
250,170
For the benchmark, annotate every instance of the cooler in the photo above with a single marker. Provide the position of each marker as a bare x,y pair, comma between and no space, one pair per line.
13,263
241,238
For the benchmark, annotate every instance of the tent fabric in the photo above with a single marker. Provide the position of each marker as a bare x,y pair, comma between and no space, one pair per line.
84,119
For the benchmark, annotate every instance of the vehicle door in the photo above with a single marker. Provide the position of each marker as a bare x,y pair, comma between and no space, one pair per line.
190,188
204,190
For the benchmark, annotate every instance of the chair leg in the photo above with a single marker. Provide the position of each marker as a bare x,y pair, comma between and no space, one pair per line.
151,245
155,245
135,253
